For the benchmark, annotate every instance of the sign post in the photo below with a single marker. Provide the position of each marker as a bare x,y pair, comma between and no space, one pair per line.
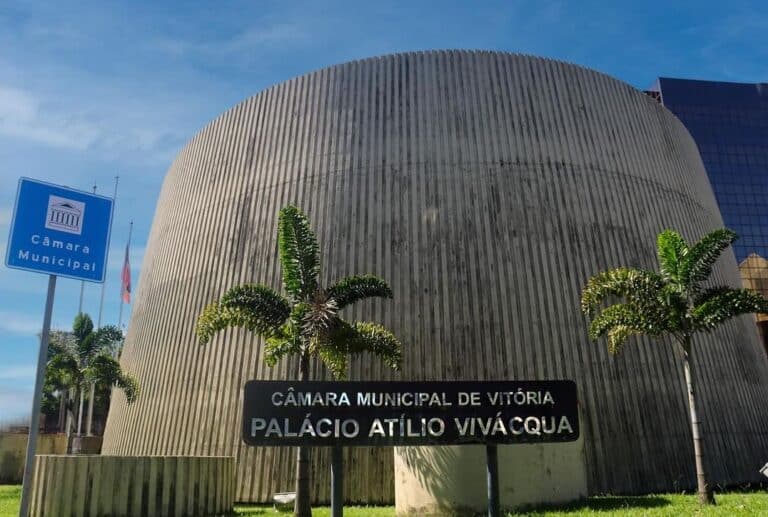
34,423
338,414
60,232
492,480
337,481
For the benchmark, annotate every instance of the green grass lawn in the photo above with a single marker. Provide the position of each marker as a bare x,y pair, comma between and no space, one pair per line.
728,504
9,500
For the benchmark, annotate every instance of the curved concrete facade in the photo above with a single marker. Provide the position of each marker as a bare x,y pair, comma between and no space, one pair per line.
486,187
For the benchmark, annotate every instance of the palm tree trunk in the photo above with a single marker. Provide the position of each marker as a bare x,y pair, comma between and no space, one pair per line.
70,412
89,419
80,414
705,491
302,506
62,410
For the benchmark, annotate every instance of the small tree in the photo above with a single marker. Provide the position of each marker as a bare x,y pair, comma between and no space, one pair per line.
83,357
672,303
307,322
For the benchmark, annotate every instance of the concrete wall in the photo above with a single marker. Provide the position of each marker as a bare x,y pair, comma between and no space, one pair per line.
86,444
125,486
443,481
486,187
446,481
13,450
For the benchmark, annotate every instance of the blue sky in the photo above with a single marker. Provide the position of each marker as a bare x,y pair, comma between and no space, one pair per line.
94,90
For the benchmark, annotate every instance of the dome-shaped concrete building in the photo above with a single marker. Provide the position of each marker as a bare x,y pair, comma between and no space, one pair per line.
486,187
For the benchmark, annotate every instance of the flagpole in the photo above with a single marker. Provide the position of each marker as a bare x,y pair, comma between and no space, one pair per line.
92,391
128,247
82,282
104,284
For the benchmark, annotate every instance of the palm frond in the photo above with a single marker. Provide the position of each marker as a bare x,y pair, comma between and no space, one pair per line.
335,359
108,337
671,248
130,387
363,336
346,340
359,287
721,304
283,341
65,365
276,349
88,347
104,370
299,252
697,264
60,341
254,307
629,316
82,326
631,283
708,293
618,335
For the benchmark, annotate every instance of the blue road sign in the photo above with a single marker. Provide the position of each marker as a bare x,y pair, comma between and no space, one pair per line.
59,231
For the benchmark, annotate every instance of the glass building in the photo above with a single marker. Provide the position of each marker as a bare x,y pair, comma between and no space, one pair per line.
729,122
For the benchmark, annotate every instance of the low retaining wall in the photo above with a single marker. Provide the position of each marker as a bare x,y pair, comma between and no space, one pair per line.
13,450
86,444
451,480
132,486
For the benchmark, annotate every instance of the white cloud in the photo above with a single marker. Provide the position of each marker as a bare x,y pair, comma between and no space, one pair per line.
24,115
108,123
244,43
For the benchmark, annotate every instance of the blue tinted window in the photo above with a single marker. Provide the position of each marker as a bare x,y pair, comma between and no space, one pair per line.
729,122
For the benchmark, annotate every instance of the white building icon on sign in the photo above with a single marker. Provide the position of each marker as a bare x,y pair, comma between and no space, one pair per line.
65,215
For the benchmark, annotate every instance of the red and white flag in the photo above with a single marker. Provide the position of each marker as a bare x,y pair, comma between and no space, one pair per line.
126,278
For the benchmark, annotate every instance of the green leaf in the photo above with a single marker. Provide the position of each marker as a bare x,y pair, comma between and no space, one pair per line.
697,265
65,366
379,341
671,249
720,304
106,371
635,284
299,253
353,339
278,347
359,287
82,327
130,387
108,338
618,335
622,320
254,307
335,359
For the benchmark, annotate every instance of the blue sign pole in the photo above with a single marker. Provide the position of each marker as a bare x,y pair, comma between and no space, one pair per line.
29,463
60,232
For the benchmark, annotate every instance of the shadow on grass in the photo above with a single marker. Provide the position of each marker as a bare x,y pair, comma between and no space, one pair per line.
608,504
247,510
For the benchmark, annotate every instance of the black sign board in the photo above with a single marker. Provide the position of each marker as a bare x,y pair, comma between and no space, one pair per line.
409,413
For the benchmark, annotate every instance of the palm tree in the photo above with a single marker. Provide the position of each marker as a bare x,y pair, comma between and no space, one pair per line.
83,357
307,322
672,303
